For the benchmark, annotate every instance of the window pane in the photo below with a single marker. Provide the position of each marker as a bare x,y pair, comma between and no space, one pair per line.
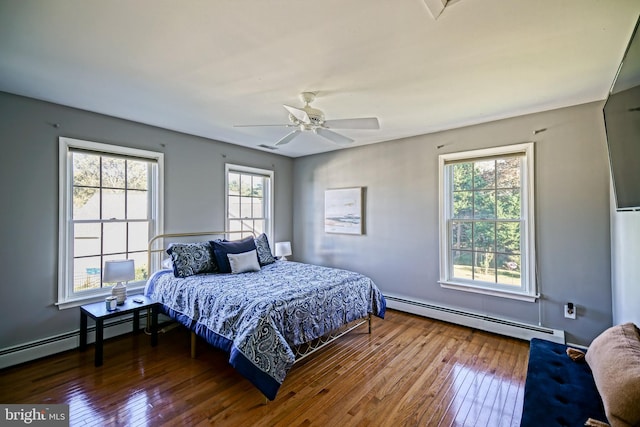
508,204
509,270
484,267
140,263
245,185
113,175
246,225
258,226
138,236
86,169
484,236
113,204
508,172
258,186
463,204
86,240
485,204
86,203
462,264
462,176
257,211
137,204
234,184
461,237
235,225
245,207
508,237
115,238
234,207
86,273
485,175
137,176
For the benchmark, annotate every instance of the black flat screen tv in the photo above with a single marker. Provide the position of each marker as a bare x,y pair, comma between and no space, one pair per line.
622,122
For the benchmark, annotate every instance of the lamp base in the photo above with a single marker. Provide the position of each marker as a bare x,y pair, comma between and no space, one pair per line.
120,292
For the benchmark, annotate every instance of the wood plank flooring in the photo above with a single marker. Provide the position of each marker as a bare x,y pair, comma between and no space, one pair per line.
411,371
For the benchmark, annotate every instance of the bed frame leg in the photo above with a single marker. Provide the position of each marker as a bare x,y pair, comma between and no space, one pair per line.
369,323
193,345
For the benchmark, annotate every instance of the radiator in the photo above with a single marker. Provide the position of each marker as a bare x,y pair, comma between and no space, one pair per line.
475,320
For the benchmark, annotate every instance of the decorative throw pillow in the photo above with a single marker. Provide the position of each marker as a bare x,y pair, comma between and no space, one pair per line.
191,258
264,250
614,359
221,248
244,262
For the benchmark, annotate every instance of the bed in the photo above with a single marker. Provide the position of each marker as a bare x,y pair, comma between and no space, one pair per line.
266,317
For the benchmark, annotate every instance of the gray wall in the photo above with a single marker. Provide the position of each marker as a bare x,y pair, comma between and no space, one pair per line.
400,248
194,195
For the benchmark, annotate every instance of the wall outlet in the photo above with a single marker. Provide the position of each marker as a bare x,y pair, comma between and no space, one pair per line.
570,311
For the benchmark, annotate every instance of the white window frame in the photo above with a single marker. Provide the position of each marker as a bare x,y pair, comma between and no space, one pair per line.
528,290
267,195
67,298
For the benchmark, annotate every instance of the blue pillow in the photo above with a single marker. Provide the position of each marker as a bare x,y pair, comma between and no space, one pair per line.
264,251
222,247
189,259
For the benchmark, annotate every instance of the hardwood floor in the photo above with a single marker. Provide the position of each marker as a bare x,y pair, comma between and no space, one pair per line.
410,371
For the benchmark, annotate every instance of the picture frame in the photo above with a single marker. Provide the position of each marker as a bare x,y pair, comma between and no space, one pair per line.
343,212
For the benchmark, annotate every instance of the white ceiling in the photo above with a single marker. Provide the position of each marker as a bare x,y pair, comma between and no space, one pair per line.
200,67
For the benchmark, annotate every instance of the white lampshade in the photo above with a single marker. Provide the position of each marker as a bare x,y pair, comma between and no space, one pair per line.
283,249
119,271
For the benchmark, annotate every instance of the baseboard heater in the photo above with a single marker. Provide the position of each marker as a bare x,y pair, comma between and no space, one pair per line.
474,320
26,352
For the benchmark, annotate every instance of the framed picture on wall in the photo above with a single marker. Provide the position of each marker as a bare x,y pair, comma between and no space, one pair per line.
343,212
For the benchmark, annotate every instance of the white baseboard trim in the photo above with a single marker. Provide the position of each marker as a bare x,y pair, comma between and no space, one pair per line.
26,352
474,320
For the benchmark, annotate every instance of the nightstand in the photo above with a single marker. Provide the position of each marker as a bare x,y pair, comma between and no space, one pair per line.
98,312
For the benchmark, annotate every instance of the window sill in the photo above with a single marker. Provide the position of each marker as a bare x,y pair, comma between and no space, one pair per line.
88,299
492,292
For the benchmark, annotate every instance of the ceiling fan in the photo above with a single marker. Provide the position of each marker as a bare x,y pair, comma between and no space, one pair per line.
311,119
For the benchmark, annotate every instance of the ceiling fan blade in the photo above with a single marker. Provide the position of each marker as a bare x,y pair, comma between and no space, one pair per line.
363,123
288,137
298,113
251,126
333,136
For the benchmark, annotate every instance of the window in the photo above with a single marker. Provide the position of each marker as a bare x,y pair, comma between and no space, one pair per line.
110,205
487,221
249,200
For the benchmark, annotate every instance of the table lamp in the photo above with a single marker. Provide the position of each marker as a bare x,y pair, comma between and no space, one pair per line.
283,249
119,271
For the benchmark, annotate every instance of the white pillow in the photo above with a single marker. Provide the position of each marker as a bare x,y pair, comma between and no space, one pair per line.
244,262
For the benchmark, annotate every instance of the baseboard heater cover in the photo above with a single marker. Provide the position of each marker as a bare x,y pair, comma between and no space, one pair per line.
33,350
483,322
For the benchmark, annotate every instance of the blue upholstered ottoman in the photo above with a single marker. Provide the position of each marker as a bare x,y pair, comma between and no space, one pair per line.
558,391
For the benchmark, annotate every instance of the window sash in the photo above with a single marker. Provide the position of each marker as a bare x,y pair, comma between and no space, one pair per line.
251,218
68,295
451,278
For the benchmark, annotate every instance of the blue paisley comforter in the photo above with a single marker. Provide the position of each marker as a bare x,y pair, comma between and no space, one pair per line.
258,317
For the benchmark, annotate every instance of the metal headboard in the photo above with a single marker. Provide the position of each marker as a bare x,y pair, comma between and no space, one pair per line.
151,250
